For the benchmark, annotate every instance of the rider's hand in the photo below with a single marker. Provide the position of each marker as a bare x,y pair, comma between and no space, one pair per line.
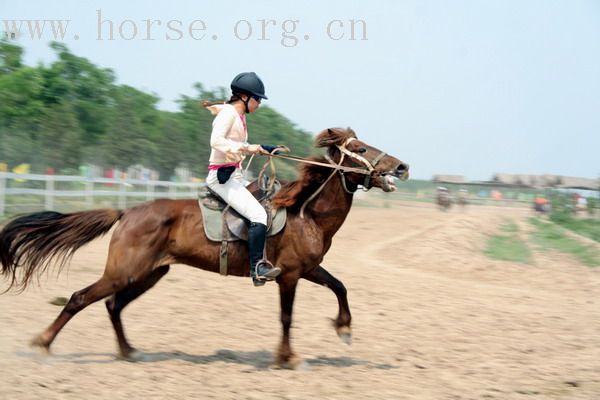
274,149
253,149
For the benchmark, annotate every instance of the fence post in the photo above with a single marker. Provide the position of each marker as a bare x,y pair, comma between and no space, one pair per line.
2,190
122,196
171,190
49,192
89,193
149,190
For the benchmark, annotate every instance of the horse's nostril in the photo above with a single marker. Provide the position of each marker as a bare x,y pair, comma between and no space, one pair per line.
402,167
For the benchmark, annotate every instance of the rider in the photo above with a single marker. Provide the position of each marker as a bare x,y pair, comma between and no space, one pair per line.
229,146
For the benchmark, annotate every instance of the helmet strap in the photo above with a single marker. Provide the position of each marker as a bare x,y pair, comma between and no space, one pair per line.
246,104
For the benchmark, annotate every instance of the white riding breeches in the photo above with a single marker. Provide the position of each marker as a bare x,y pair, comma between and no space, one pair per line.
235,194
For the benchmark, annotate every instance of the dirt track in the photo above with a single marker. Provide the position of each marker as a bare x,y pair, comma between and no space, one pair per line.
433,318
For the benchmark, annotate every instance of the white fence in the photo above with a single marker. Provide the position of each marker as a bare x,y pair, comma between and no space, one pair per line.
72,192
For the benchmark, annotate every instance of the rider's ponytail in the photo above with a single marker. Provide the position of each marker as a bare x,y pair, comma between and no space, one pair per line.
206,103
232,99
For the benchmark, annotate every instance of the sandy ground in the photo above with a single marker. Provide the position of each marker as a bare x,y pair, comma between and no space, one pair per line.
433,318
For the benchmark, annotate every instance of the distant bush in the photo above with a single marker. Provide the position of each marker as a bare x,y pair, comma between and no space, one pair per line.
562,208
592,205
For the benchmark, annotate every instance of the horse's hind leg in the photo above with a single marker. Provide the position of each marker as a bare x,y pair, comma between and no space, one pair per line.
320,276
79,300
116,303
287,291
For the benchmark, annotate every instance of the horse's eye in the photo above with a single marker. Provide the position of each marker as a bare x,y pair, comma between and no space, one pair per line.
362,150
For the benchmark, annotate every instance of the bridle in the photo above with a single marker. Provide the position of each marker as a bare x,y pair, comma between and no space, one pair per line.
369,165
368,169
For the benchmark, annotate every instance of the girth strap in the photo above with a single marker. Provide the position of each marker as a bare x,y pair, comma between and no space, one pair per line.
224,245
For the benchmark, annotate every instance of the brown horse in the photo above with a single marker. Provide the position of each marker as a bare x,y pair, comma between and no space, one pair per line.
154,235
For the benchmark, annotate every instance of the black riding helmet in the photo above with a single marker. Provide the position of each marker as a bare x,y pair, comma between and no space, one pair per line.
248,83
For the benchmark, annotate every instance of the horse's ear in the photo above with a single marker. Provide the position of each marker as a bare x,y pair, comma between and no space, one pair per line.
328,138
325,138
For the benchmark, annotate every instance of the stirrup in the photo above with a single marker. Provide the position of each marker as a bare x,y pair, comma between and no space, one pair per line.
258,282
272,272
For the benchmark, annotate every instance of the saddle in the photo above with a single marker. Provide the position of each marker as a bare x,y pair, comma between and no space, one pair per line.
223,224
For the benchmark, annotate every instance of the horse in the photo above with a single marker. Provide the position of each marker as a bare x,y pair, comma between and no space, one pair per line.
150,237
443,199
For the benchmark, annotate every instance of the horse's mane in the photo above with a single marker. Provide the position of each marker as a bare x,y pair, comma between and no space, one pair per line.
293,194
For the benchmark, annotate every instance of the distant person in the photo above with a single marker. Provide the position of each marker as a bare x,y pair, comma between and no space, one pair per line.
540,204
581,204
443,198
229,146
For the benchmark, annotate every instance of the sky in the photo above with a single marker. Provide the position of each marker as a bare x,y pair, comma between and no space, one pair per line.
451,87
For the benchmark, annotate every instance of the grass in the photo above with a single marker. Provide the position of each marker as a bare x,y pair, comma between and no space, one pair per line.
508,246
588,227
551,236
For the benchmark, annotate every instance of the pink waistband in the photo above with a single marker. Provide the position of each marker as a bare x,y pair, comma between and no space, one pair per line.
217,166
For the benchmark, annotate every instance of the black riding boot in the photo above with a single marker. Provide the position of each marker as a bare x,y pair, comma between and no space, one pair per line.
261,270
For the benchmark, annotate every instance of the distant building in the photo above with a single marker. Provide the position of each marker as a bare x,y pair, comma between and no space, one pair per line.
449,179
546,181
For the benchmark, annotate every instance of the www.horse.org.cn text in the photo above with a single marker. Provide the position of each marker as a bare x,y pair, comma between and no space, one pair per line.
287,33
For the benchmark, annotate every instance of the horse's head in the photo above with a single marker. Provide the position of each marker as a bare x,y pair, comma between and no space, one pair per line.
366,165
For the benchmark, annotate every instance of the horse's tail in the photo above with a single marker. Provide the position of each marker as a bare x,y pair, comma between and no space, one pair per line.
33,241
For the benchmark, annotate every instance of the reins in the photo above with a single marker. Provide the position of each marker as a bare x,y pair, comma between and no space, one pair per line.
337,167
331,164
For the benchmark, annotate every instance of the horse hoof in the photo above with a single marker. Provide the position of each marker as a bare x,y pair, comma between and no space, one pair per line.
38,342
346,338
303,366
345,334
293,362
131,356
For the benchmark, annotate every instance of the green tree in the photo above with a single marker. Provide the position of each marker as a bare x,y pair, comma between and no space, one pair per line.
20,93
88,88
72,112
126,142
173,147
59,139
10,57
16,146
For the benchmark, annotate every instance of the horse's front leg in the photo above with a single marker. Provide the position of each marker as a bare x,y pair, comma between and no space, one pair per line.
287,291
342,323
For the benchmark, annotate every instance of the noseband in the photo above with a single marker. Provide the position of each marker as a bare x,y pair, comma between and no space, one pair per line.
369,165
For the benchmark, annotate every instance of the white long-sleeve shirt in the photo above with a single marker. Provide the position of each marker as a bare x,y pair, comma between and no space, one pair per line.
228,135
